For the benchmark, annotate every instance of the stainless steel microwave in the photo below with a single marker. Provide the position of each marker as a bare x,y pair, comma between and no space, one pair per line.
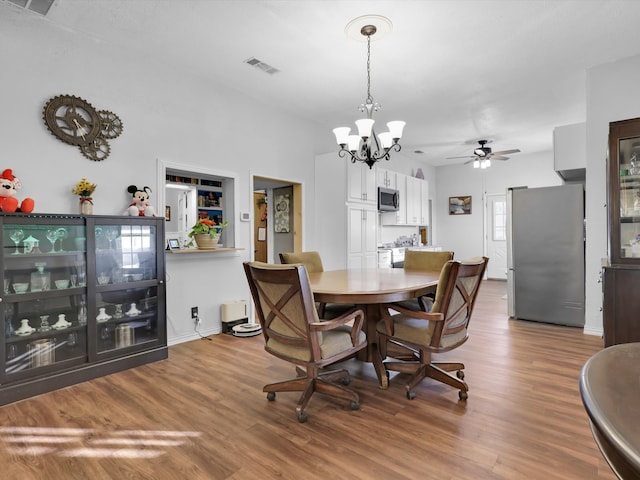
388,200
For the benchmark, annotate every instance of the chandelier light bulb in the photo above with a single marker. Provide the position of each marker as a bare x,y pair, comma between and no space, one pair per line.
476,163
395,128
386,140
342,134
354,143
365,125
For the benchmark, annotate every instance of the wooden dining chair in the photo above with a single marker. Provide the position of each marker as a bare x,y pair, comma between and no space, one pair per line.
424,261
313,263
444,328
293,332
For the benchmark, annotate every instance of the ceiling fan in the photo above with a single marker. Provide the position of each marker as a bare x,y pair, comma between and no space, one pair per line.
483,155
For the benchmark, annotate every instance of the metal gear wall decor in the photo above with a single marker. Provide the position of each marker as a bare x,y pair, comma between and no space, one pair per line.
76,122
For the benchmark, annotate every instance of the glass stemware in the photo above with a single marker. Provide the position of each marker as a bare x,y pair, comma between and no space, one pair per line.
16,237
61,233
111,234
52,236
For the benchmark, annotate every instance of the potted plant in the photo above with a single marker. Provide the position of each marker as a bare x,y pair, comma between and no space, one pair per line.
206,232
84,189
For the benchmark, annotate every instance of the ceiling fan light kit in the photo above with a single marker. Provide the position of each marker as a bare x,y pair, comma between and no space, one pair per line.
368,146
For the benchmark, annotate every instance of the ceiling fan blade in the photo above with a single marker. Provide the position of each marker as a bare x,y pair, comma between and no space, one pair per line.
470,161
506,152
456,158
498,157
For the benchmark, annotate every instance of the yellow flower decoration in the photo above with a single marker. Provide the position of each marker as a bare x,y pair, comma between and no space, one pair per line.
84,188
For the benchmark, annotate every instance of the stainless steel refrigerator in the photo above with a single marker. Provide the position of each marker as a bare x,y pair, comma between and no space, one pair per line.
545,254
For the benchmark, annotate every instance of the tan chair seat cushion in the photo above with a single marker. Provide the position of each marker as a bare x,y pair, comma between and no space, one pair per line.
418,332
333,342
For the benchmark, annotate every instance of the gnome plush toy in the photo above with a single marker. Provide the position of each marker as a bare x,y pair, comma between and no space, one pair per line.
9,184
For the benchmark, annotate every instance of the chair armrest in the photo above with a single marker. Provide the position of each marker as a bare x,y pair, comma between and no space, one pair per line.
432,317
355,315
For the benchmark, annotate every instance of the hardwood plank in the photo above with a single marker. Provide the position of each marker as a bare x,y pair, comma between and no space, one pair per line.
202,414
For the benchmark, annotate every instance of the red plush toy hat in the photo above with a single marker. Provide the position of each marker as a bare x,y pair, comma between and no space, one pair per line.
8,175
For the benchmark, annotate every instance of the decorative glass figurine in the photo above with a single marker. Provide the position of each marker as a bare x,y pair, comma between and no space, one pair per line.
40,280
103,316
44,324
82,313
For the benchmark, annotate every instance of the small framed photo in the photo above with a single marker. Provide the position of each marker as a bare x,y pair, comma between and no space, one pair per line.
460,205
174,244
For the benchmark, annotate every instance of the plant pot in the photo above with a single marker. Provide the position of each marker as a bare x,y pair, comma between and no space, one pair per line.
204,240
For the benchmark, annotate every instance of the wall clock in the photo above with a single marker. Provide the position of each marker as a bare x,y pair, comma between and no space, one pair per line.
72,119
76,122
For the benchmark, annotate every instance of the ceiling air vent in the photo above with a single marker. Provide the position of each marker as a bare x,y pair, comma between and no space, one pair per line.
265,67
38,6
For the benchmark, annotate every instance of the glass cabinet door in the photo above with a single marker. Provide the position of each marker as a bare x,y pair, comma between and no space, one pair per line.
624,194
125,278
44,301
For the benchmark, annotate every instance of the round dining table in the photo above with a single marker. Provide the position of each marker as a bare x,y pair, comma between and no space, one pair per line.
368,289
610,387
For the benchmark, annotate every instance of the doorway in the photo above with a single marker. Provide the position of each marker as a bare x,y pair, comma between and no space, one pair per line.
496,235
277,225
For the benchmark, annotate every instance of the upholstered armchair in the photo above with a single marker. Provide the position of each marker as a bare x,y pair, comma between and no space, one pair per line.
445,327
293,332
313,263
424,261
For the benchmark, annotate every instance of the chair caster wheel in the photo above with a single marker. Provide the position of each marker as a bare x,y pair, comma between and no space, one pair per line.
354,406
303,417
411,394
460,374
271,396
463,395
346,381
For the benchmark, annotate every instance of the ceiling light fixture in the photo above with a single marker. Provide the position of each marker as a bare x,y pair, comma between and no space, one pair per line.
369,147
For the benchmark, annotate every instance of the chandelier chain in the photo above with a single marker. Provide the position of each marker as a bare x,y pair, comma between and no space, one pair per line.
369,97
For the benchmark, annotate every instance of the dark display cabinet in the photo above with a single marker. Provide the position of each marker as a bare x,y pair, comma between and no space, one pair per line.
83,297
622,275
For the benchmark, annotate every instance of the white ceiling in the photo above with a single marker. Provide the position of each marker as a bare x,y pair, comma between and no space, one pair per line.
455,70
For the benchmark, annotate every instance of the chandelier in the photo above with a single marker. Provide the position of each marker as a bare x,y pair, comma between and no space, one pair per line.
367,146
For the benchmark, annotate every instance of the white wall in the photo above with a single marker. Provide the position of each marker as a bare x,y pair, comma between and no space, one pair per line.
463,233
612,94
168,114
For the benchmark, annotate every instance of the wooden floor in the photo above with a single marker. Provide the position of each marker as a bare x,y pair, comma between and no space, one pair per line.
201,414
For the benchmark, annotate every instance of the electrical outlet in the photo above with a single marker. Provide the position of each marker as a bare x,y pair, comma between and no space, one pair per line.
194,312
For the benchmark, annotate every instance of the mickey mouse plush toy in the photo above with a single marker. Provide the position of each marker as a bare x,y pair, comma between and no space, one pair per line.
140,206
8,201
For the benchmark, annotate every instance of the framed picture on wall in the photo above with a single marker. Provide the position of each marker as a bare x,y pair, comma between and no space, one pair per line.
460,205
281,207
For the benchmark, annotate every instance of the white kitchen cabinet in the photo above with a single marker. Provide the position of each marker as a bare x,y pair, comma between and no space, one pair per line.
424,203
362,221
413,196
361,184
398,217
387,178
